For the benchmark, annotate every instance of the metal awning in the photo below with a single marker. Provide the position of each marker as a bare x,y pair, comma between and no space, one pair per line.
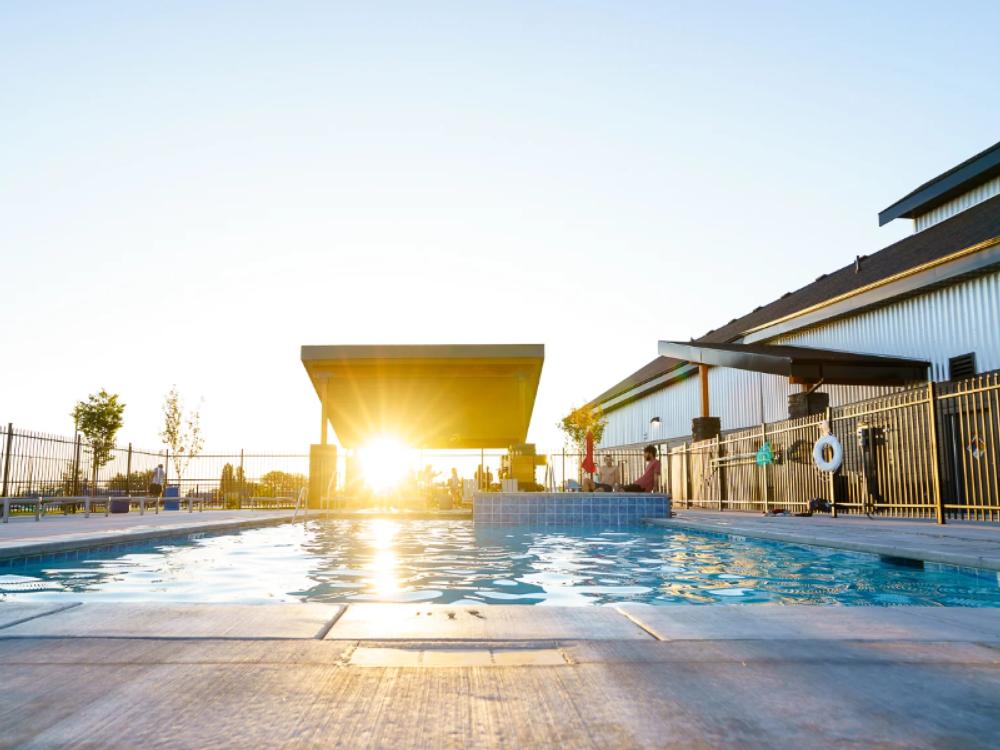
440,396
801,364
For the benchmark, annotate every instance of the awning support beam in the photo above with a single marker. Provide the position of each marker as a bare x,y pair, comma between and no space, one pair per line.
703,377
800,364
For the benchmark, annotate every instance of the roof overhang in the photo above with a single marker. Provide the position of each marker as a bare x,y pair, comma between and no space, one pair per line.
980,168
439,396
676,372
802,364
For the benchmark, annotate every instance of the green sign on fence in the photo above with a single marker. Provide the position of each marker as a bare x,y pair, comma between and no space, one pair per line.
765,455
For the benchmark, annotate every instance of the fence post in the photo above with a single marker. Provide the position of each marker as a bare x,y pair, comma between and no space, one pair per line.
687,475
128,473
719,468
766,467
243,481
6,460
665,476
76,467
932,434
832,474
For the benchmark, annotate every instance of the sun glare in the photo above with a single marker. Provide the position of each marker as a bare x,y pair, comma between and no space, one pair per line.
384,462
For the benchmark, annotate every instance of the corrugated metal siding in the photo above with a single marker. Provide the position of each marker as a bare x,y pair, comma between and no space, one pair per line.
934,326
957,205
674,406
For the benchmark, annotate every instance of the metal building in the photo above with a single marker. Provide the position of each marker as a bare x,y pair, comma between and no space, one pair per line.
933,297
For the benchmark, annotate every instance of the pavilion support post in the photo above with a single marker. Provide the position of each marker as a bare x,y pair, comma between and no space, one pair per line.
322,474
322,413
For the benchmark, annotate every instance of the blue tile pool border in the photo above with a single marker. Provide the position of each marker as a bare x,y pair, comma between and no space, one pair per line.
567,508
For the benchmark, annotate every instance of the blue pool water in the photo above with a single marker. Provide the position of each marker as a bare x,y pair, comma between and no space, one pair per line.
455,562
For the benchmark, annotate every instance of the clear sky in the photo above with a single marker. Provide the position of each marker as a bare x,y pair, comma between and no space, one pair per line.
190,191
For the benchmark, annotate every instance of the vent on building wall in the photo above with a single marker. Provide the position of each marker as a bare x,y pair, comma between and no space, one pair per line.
963,366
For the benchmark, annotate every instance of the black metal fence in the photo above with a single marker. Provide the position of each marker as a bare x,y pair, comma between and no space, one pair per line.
36,464
930,452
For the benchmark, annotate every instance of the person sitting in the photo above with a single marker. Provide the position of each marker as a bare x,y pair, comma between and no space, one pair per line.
455,487
650,478
609,475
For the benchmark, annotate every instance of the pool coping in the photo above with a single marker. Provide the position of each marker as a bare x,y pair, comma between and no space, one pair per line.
102,539
837,538
725,676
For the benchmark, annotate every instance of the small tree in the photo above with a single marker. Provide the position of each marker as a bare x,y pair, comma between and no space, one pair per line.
579,422
181,432
72,478
227,480
99,418
125,483
281,483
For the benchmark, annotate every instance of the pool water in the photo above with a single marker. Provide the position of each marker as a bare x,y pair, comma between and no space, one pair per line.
378,560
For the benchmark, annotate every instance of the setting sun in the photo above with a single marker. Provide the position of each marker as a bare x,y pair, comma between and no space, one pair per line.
384,462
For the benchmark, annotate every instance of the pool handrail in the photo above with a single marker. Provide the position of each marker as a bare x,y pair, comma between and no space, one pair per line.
298,503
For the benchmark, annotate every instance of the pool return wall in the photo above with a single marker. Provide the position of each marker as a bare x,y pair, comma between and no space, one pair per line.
567,508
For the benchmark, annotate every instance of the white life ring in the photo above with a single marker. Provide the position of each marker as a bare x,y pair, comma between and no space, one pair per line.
838,453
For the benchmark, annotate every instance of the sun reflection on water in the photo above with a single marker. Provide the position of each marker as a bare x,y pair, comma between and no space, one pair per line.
381,536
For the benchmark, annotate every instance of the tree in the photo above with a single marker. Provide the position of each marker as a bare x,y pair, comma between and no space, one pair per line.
99,418
72,478
281,484
227,482
579,422
126,483
181,432
233,485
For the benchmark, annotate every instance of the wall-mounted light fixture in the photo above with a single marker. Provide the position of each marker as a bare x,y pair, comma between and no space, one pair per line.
654,422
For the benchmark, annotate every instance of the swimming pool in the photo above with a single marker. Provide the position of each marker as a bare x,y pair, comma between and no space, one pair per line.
436,561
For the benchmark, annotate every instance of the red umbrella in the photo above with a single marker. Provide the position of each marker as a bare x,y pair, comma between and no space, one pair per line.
588,464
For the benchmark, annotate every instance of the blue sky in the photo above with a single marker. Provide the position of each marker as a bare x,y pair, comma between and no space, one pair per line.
190,191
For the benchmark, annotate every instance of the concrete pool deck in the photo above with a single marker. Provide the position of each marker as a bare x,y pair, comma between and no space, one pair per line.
24,536
410,676
123,675
965,544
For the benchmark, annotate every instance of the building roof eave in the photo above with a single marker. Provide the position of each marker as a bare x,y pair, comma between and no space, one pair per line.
959,179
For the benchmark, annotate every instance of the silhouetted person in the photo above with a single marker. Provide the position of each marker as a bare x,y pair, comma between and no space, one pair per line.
650,478
157,481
